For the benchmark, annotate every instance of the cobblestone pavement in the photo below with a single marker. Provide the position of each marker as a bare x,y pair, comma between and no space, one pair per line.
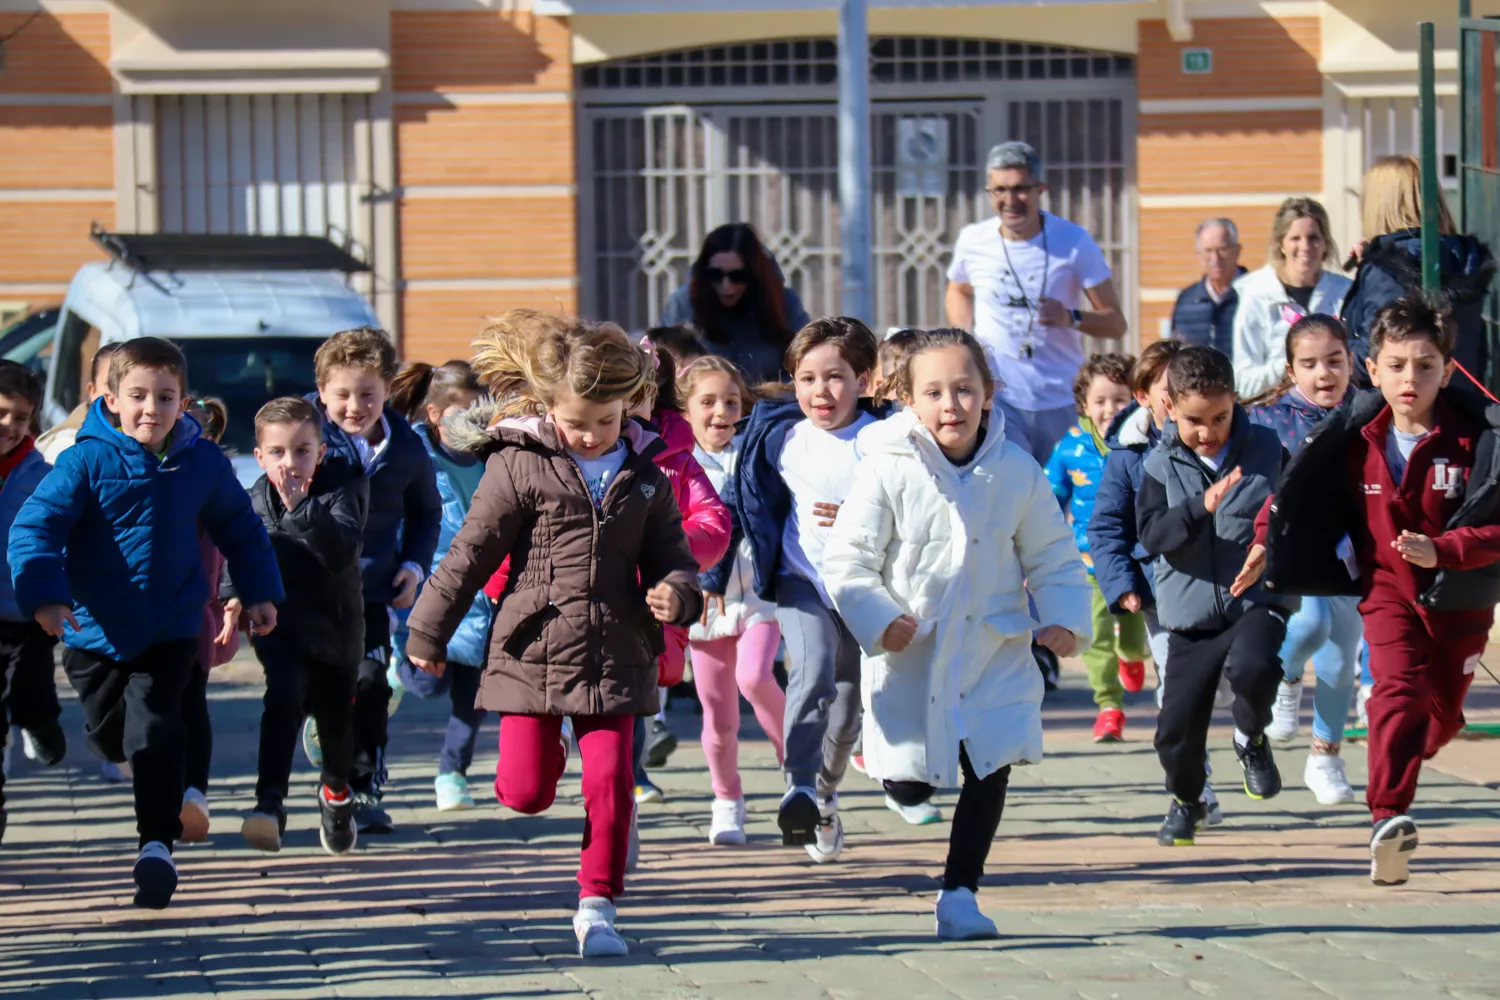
1276,903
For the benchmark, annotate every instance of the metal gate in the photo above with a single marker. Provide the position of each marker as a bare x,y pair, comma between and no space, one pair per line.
1479,159
657,176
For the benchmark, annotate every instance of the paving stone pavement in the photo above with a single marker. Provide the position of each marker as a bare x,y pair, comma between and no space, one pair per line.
1275,903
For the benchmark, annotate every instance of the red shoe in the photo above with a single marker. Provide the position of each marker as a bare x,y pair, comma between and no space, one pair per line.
1132,675
1110,726
857,761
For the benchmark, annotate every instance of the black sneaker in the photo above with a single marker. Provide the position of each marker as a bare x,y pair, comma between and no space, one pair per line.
1262,780
1181,825
1391,846
338,832
1046,662
660,743
155,877
369,817
799,817
51,744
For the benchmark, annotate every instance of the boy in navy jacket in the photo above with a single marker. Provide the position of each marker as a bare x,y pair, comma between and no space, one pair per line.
365,436
105,556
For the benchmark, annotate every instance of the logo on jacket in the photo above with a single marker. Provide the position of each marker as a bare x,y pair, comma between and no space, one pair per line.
648,490
1447,479
1372,489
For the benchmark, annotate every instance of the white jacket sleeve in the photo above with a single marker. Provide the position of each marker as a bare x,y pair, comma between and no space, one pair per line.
1049,558
1255,367
854,558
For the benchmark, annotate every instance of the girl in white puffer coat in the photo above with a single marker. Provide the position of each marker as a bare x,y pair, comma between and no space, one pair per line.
929,562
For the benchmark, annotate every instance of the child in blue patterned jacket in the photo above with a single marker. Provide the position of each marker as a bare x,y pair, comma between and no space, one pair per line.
1114,661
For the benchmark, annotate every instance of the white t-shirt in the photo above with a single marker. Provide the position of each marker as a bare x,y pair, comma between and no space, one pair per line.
817,467
1059,262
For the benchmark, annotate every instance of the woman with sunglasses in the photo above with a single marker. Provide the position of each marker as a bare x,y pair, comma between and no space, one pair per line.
736,297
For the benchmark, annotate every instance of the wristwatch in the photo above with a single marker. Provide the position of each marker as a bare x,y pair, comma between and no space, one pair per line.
1077,315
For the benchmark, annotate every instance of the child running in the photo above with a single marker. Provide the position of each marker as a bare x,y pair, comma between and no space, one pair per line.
105,556
367,437
734,646
1326,630
926,563
590,524
28,696
799,461
1203,485
431,398
316,524
1408,474
1115,662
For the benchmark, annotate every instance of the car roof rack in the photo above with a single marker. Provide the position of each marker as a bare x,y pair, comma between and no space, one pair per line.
225,252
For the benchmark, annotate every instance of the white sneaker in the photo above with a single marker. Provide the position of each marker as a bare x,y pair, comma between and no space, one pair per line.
1391,847
828,843
959,919
920,814
1224,697
727,825
1213,814
1324,777
594,926
29,747
452,792
398,689
194,816
1286,713
633,845
1361,703
155,876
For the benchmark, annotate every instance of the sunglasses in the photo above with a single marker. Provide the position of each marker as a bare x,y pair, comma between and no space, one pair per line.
717,276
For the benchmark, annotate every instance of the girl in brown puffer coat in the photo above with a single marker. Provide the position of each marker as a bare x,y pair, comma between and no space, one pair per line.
599,563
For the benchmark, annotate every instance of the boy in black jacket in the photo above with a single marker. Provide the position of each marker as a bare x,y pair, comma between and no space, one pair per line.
312,658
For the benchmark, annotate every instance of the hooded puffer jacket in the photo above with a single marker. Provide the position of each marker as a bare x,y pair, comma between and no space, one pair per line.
572,633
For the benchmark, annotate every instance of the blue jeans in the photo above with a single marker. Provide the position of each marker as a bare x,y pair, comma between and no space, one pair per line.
1037,432
460,682
1329,631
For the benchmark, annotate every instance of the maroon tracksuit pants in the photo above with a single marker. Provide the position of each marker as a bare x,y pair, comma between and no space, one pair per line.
531,763
1422,663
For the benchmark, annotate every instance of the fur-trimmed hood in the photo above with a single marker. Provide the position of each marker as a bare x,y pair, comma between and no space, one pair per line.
481,428
1466,265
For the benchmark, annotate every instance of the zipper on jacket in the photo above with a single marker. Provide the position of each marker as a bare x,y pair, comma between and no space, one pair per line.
596,652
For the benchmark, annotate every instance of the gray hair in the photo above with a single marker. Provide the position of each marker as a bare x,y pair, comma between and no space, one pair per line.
1014,155
1229,227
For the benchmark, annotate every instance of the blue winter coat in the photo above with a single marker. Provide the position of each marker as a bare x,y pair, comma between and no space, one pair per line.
1292,417
113,532
468,644
1121,565
20,484
406,512
1075,470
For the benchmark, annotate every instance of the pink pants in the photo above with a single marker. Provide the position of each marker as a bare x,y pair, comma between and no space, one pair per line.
722,668
531,763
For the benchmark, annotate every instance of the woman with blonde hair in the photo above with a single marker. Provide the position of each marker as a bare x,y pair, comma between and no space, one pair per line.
1390,262
1294,283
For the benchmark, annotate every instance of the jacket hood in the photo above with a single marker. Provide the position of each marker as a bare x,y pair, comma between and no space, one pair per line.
902,433
1466,265
675,432
1132,428
481,429
97,425
1296,401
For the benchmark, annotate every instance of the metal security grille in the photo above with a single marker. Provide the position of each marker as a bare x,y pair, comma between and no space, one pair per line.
662,174
283,164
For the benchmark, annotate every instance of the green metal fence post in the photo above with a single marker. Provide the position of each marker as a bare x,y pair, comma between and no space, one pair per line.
1465,11
1430,165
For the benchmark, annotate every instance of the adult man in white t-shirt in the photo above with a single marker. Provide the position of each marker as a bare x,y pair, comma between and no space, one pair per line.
1021,284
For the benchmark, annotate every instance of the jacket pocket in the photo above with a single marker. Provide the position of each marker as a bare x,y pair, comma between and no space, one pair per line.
528,631
1008,624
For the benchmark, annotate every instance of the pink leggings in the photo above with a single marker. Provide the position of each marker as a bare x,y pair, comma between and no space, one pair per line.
531,762
722,668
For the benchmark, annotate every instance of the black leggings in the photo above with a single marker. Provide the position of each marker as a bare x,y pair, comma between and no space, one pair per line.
976,818
198,731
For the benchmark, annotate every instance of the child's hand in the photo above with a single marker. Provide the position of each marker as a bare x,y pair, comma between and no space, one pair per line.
899,634
262,617
1131,602
717,600
665,605
292,489
1214,495
1416,549
232,610
1255,565
405,583
52,617
825,513
1058,639
433,667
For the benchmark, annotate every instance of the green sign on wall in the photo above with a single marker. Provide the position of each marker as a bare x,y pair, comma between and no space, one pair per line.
1197,62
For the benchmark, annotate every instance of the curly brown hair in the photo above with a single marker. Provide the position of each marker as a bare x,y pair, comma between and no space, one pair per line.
1114,367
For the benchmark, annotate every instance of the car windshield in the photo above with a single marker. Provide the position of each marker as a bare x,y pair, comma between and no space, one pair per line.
246,373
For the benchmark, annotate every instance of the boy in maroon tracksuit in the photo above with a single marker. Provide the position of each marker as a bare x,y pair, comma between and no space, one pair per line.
1395,499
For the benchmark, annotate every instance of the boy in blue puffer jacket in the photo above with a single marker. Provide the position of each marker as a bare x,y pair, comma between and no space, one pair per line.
1075,470
105,556
28,698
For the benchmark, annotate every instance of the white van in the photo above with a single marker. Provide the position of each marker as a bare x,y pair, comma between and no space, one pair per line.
248,312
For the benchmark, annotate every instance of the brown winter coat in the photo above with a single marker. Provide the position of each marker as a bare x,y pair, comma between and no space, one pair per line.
572,634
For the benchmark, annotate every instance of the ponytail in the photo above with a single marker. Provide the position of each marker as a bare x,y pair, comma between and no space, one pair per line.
420,385
409,389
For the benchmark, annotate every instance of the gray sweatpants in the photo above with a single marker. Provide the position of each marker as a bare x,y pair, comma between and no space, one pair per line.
822,693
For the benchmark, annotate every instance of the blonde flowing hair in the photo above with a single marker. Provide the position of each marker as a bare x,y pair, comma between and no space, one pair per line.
527,359
1391,199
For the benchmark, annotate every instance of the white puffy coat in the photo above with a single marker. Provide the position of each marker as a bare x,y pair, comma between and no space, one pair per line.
952,546
1260,328
742,606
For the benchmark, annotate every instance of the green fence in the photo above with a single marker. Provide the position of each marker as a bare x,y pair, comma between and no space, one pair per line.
1478,159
